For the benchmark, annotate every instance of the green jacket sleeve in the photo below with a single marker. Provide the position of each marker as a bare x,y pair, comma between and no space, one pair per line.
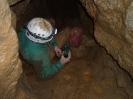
38,55
49,70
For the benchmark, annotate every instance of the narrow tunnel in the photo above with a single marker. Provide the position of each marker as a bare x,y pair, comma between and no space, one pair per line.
92,72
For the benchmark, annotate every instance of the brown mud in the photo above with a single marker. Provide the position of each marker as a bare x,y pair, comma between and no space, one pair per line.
91,74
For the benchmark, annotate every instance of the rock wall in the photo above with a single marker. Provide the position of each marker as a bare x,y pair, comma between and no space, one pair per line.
10,65
11,2
114,28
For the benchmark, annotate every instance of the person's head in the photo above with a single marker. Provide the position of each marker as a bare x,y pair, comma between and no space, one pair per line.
40,30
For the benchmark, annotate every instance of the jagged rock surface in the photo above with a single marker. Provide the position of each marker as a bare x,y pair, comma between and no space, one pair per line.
11,2
10,68
10,65
114,28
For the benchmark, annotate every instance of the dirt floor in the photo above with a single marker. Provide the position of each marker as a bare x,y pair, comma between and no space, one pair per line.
91,74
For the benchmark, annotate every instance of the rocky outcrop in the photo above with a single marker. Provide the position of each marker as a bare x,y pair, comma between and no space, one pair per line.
11,2
114,28
90,7
10,65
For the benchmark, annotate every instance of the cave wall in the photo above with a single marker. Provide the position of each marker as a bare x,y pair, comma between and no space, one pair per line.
10,65
10,68
11,2
114,28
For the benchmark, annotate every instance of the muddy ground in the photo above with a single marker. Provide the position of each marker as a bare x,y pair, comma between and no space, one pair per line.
91,74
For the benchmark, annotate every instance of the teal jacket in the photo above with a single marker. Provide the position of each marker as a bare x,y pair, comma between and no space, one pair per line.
38,54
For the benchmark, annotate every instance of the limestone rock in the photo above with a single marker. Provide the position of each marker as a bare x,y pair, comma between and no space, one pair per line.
10,65
13,19
113,29
129,23
90,6
11,2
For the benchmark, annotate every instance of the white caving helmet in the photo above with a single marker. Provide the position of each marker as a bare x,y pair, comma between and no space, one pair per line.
40,30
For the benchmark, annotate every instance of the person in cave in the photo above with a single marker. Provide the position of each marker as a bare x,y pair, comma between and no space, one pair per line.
34,41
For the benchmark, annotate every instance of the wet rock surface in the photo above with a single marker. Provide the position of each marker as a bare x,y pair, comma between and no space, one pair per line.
91,74
113,28
10,66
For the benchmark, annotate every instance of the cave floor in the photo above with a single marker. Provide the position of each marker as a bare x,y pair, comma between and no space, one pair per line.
91,74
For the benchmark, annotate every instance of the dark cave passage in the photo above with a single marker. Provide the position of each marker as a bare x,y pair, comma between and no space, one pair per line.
91,74
65,13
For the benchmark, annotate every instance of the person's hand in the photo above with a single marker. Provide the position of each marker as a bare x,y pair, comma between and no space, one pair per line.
64,60
58,51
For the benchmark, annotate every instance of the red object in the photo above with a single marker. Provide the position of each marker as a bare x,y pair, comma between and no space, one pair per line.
75,37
